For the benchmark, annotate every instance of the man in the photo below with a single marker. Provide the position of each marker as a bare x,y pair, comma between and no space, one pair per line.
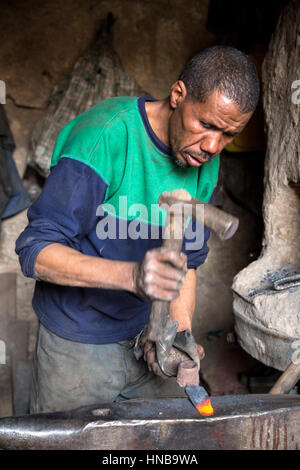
93,292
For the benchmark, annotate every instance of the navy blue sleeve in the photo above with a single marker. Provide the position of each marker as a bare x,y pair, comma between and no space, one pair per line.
196,255
64,212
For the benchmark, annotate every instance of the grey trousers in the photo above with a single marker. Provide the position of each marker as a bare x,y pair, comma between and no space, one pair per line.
67,374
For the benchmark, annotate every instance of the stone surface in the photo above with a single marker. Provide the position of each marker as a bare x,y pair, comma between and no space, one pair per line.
7,292
153,39
6,402
278,311
7,303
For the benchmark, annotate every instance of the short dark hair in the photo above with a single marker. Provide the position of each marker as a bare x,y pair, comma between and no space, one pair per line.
225,69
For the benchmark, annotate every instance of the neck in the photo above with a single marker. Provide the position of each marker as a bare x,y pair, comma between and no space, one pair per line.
158,113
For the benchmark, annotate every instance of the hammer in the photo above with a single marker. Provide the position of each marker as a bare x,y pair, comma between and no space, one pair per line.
161,329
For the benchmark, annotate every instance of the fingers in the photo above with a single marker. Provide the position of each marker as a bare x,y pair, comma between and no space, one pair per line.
200,351
163,254
167,264
157,371
161,274
150,358
147,346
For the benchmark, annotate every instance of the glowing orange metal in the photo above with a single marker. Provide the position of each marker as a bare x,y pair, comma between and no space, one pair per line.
200,399
205,408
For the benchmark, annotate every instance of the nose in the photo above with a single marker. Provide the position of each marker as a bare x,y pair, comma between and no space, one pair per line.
210,144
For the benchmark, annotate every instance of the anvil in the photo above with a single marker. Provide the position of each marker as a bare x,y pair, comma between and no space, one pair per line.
239,422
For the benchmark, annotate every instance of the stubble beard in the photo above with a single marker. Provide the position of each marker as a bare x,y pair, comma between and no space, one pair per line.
178,162
175,143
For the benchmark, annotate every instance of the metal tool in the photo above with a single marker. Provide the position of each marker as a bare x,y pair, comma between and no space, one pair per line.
172,348
287,282
200,399
224,225
239,422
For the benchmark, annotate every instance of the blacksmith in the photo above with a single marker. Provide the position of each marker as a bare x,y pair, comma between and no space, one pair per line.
96,275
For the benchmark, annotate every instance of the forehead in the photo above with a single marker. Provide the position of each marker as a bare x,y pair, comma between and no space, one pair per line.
218,110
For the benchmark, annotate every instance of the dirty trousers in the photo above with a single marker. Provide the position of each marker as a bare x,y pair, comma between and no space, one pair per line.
67,374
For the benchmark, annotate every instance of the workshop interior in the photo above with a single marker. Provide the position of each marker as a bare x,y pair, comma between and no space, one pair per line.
60,58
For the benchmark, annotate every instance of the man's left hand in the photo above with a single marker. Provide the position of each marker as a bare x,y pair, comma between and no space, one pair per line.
150,356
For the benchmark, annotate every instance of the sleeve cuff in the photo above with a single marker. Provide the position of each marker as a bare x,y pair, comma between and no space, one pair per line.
29,264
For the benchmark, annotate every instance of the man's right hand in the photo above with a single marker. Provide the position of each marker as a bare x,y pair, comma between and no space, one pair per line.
160,275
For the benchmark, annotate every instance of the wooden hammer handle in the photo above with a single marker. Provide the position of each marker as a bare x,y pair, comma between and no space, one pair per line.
173,233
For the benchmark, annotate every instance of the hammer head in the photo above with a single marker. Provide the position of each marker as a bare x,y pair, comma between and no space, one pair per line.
224,225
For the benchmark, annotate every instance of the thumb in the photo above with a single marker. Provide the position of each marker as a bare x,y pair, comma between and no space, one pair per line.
200,351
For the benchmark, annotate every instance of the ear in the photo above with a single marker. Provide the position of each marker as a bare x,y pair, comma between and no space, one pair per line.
178,94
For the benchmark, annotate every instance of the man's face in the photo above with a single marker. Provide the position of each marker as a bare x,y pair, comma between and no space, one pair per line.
198,132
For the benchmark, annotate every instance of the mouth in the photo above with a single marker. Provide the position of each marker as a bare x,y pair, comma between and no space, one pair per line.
192,161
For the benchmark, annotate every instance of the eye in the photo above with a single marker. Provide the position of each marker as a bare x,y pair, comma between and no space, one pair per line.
231,135
206,126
